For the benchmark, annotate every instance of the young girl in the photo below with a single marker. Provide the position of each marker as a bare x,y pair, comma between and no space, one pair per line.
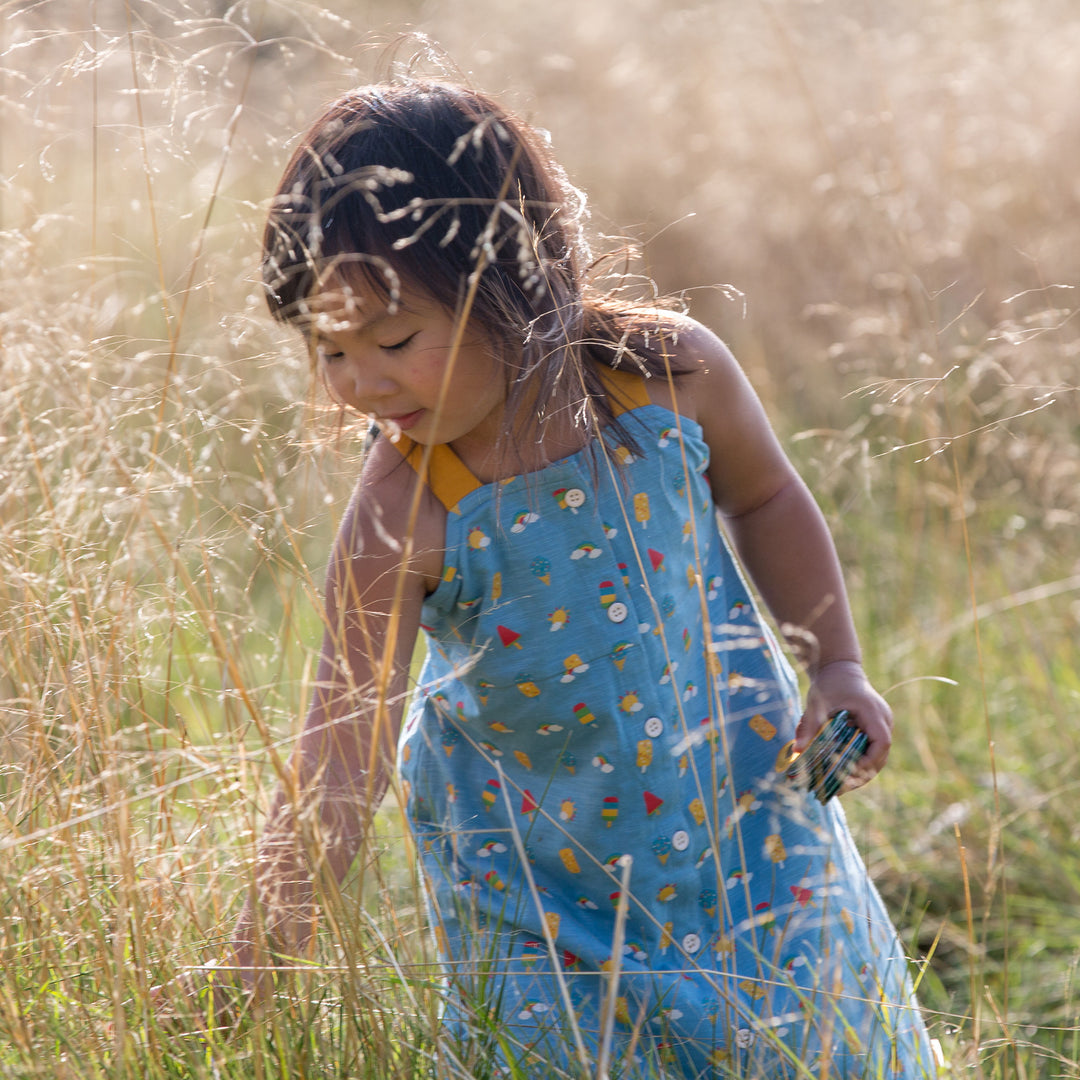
618,870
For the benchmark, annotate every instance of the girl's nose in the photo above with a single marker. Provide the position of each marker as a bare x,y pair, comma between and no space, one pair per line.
358,382
372,382
368,379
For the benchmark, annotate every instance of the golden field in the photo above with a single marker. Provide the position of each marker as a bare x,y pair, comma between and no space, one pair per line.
877,204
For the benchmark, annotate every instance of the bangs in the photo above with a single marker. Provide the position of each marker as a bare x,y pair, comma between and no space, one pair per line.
376,193
424,186
326,230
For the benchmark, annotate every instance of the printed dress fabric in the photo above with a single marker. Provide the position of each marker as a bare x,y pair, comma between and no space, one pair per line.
604,720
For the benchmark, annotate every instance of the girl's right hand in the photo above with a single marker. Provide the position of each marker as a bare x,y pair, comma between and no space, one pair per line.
214,997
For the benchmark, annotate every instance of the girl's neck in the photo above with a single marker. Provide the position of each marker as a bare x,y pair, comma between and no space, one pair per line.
530,447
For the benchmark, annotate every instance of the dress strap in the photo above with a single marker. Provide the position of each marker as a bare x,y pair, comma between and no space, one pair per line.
626,389
450,479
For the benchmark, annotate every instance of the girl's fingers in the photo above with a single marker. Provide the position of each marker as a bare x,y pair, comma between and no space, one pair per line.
828,749
810,723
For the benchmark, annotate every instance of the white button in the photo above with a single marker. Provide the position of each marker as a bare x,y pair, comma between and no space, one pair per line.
617,612
654,726
681,840
691,943
574,497
744,1038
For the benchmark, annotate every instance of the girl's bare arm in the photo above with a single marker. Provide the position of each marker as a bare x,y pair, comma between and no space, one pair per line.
783,542
341,766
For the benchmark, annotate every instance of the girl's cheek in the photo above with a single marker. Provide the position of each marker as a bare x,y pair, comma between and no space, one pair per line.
335,385
426,375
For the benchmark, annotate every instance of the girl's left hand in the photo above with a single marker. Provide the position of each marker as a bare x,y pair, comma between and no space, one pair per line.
842,684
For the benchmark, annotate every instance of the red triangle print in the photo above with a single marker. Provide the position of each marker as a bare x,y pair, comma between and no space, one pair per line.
528,803
656,559
652,802
507,636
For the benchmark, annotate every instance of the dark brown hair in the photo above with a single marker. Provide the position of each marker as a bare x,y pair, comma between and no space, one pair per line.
434,187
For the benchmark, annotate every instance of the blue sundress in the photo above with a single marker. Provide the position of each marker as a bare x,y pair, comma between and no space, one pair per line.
617,869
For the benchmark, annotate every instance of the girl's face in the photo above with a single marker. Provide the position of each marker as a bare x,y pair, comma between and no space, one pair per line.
389,363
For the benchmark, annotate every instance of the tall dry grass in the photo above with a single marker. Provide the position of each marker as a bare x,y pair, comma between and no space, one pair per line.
885,227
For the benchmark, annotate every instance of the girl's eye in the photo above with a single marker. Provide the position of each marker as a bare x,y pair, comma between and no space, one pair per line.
328,356
397,345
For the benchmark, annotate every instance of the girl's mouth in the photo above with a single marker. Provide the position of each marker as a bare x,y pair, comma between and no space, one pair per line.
406,420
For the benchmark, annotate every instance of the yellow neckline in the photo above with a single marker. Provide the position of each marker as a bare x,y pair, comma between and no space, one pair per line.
450,479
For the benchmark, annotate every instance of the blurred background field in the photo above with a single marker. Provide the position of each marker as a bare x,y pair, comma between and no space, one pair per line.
876,203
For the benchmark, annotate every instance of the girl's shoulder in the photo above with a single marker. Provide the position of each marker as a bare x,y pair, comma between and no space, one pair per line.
701,365
747,463
389,505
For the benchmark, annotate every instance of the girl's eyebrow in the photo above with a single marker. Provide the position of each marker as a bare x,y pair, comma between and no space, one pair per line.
326,322
375,321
